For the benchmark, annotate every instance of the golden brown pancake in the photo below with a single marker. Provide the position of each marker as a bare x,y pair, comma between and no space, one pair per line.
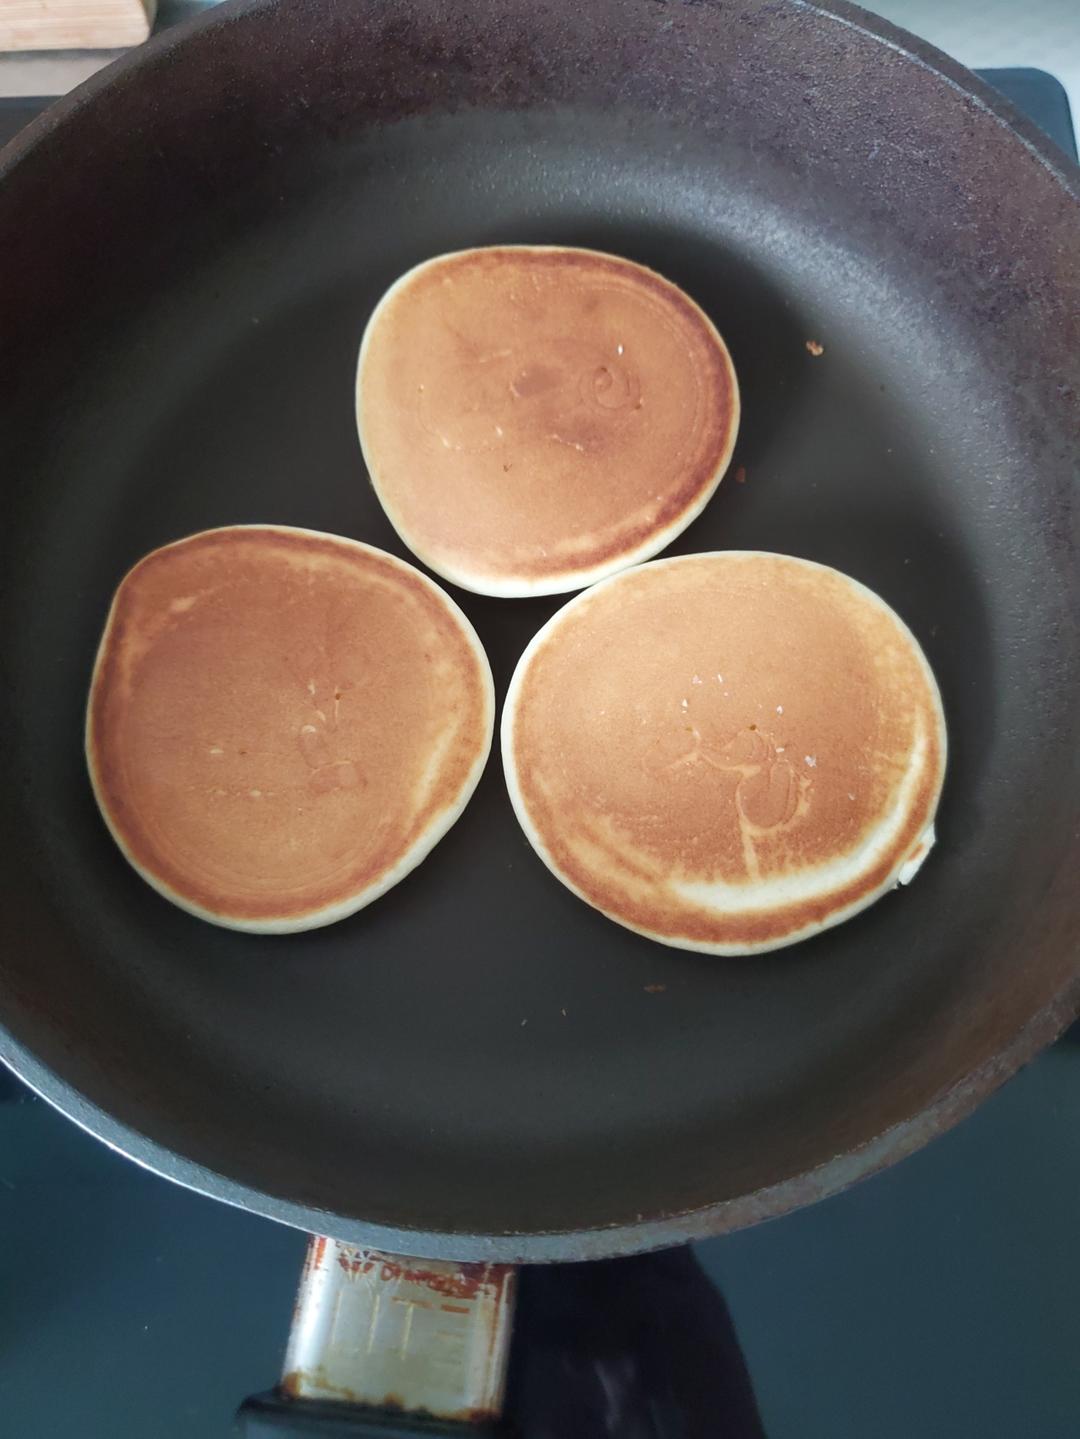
726,752
283,723
534,419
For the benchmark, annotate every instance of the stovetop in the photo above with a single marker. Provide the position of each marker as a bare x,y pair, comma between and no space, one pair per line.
938,1299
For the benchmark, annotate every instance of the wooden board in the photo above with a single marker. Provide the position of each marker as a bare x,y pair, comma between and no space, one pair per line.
74,24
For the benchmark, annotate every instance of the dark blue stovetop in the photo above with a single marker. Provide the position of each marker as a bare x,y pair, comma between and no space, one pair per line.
938,1299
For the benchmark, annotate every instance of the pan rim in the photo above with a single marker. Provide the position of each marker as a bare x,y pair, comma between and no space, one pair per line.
927,56
843,1170
948,1106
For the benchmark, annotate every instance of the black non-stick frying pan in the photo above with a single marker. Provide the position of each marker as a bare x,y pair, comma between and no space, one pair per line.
479,1066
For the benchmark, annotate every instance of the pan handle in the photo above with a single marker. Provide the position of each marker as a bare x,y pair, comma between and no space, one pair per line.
394,1343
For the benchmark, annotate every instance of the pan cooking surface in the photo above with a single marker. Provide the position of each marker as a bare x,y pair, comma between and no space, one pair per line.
479,1054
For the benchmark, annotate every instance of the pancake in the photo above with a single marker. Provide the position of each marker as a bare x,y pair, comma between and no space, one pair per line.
726,752
283,723
534,419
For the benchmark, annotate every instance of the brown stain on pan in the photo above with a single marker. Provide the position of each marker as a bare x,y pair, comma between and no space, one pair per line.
535,418
280,721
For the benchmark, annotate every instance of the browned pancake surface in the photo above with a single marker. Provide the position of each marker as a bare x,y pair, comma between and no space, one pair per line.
278,717
741,722
529,415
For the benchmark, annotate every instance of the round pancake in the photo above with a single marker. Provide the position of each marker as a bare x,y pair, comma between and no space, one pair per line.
726,752
534,419
283,723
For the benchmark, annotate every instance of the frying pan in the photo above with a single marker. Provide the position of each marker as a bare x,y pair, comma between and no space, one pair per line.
478,1066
